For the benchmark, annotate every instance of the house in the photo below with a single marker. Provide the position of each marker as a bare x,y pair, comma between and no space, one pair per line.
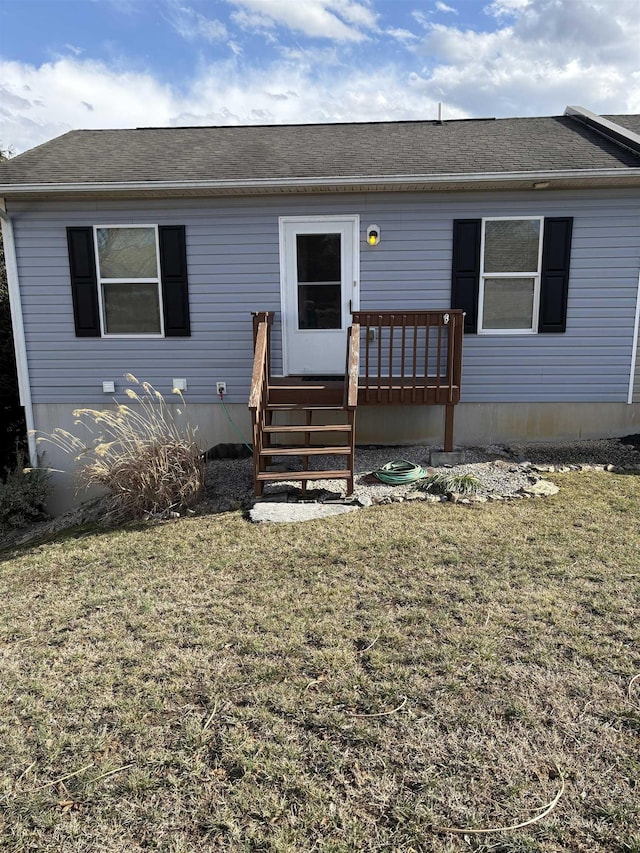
148,250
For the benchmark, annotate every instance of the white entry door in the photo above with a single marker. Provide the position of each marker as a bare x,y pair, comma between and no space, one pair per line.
319,271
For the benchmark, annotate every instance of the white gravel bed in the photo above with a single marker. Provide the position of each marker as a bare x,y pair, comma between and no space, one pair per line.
503,471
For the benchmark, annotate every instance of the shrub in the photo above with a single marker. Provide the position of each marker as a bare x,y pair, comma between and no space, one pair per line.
22,496
442,484
146,461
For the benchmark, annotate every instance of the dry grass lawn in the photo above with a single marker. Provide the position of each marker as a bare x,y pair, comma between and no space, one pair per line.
347,685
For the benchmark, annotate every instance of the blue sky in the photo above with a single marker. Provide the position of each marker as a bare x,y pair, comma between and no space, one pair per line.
124,63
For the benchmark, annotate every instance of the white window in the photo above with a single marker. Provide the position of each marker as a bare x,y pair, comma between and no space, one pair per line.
510,264
130,296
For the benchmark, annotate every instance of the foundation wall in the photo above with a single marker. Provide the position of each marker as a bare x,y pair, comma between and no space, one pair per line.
475,424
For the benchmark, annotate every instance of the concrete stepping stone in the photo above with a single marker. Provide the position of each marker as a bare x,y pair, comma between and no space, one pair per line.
267,512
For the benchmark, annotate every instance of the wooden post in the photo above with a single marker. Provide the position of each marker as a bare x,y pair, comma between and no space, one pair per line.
351,416
448,427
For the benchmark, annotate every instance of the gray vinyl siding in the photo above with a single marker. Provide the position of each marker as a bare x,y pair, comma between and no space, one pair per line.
233,264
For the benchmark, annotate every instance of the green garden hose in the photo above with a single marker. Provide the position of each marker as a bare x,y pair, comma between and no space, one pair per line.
231,421
399,473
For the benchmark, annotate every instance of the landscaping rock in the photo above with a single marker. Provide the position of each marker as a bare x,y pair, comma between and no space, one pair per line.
543,488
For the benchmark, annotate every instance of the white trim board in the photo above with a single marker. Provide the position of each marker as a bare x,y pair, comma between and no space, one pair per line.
634,348
19,342
130,279
316,223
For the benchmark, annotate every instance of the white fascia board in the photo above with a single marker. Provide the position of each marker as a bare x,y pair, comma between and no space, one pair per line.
19,342
329,181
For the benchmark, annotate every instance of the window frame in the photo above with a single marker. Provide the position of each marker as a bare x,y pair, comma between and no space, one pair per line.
536,276
100,280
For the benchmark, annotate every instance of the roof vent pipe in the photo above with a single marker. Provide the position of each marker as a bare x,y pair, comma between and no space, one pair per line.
440,121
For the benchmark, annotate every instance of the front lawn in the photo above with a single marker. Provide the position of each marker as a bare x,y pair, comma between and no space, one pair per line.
347,685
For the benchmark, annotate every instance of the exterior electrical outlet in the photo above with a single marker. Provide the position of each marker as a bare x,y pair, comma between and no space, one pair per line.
221,388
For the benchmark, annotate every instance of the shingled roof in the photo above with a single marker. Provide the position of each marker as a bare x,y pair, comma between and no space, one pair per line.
631,122
320,153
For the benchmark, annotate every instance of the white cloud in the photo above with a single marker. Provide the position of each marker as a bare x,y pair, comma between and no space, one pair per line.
551,53
592,30
401,35
442,7
307,59
55,97
253,20
502,8
339,20
462,48
191,25
421,18
71,48
287,92
358,14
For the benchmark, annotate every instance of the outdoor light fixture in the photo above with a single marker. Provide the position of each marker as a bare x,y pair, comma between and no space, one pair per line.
373,235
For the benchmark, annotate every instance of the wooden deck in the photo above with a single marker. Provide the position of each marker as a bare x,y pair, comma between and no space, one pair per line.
408,358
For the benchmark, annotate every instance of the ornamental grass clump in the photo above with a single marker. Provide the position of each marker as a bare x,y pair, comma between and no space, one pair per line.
149,464
444,484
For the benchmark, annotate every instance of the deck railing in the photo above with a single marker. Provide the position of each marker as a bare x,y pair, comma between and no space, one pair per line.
410,357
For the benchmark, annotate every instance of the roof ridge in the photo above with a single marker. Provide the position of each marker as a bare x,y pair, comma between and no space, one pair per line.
429,122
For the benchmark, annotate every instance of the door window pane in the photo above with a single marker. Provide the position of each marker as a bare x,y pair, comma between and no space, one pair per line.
508,303
131,309
319,306
511,245
319,271
127,252
318,257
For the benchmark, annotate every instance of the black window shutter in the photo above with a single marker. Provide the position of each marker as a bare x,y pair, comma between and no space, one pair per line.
465,272
175,287
554,284
84,283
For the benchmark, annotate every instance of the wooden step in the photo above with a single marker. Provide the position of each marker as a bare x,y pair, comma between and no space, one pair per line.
289,383
305,451
315,428
306,395
272,476
302,407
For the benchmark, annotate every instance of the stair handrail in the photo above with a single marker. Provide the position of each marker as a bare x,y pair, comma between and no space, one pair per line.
353,367
262,321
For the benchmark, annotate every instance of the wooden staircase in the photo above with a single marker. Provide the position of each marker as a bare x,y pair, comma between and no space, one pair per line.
409,358
300,419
